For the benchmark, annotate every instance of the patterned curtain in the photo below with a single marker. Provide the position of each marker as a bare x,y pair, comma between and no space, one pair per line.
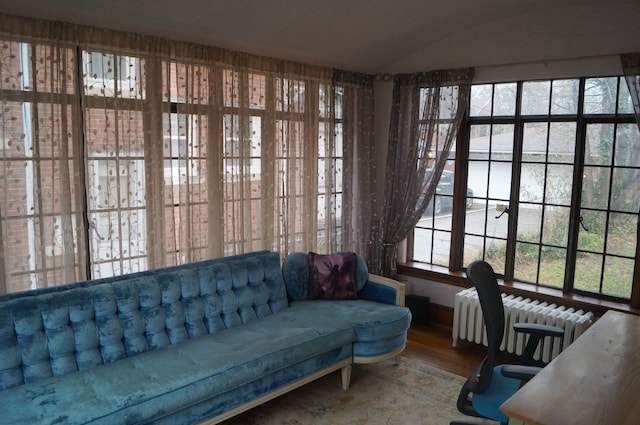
121,152
359,183
427,110
41,214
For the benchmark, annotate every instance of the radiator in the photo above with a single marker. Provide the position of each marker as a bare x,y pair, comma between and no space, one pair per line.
468,324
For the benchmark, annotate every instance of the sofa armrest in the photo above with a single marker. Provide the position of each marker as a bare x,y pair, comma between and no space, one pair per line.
384,290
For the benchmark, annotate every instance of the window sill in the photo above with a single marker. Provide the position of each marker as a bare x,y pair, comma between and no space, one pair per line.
550,295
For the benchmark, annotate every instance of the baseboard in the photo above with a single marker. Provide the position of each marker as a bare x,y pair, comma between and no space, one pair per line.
441,315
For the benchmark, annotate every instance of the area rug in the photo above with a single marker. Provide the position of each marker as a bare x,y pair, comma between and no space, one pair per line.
411,392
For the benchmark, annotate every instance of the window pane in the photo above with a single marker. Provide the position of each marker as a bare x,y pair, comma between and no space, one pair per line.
556,226
529,222
625,104
502,142
339,95
595,187
504,101
475,223
290,95
478,177
448,102
480,139
526,262
495,254
183,83
588,272
617,277
500,181
620,239
443,217
626,190
110,75
473,249
532,183
627,146
111,133
564,97
591,236
600,95
559,184
535,97
441,242
534,142
257,91
599,144
422,244
562,142
552,266
480,103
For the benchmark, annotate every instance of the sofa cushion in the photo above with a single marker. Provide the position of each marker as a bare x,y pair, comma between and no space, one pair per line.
159,382
295,271
379,328
332,276
55,331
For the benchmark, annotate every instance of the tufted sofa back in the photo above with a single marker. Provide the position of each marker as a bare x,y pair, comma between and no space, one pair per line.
59,330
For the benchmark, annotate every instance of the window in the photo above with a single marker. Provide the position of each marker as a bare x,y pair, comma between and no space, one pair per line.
112,75
330,168
551,170
433,233
38,223
117,216
114,163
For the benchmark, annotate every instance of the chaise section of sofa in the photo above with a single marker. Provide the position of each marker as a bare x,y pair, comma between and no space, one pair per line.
180,345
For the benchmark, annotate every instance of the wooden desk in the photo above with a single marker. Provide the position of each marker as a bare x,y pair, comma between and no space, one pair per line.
595,381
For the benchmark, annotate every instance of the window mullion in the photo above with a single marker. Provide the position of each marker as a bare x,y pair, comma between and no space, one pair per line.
576,195
456,251
214,162
268,188
81,160
514,197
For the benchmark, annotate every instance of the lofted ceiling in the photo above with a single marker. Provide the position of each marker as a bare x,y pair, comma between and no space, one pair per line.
373,36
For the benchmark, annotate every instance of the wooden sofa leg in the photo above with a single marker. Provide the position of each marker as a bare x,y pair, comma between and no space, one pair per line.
346,377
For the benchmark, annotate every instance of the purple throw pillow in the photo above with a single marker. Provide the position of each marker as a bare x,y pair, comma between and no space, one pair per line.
332,276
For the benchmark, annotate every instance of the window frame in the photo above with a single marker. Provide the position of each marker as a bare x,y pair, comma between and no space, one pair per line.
106,95
454,273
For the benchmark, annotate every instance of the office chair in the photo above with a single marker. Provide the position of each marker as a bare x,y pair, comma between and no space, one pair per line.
489,386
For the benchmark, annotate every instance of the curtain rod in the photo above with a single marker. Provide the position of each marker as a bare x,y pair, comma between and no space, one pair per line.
546,62
540,62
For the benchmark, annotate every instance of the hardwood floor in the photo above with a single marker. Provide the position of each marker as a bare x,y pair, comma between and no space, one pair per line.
432,344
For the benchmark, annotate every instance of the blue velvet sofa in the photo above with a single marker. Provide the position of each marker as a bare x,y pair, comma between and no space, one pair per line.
196,343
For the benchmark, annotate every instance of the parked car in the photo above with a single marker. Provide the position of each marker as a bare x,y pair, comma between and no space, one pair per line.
443,199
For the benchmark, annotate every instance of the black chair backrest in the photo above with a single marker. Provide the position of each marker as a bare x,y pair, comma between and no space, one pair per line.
486,284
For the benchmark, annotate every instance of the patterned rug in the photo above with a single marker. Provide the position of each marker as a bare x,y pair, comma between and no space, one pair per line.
386,393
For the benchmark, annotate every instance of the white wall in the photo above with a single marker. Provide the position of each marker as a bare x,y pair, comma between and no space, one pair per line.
438,293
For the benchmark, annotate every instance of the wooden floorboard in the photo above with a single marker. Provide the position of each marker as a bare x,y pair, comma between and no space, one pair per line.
432,344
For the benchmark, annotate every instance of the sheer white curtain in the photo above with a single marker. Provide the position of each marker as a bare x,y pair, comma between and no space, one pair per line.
122,152
40,180
427,110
